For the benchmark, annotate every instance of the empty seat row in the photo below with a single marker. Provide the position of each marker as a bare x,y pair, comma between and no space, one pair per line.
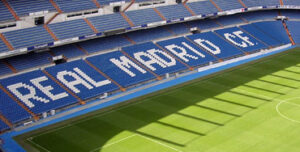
3,126
202,7
75,5
3,47
4,69
228,4
4,13
293,27
25,7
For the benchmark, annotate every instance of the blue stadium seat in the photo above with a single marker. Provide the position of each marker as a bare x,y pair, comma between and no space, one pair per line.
202,7
159,62
3,126
11,110
34,96
75,5
228,4
4,69
291,2
171,12
24,7
260,15
23,62
69,51
148,34
194,56
230,20
274,29
254,3
241,39
108,63
203,24
3,47
109,22
94,87
143,16
215,45
4,13
104,43
179,28
261,35
28,37
71,29
293,27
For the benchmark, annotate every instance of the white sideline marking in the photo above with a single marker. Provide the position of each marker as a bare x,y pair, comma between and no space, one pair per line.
286,101
29,139
157,142
113,143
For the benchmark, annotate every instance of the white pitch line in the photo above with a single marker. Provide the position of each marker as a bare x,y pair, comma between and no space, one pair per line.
157,142
28,139
113,143
284,116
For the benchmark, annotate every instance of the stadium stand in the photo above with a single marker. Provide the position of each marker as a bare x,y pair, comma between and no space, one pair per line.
3,126
228,4
69,51
179,28
4,69
148,34
291,2
241,39
4,13
114,64
186,51
261,35
271,26
70,29
106,2
28,61
3,47
143,16
29,84
255,3
203,24
202,7
291,14
24,7
109,22
172,12
229,20
28,37
256,16
293,27
7,104
152,57
215,45
83,80
104,43
76,5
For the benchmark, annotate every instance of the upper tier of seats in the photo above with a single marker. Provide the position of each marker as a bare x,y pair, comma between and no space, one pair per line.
228,4
4,13
202,7
291,2
24,7
254,3
3,47
109,72
147,15
109,22
75,5
174,11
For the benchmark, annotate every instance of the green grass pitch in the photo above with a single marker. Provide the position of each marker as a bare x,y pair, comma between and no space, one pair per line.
251,108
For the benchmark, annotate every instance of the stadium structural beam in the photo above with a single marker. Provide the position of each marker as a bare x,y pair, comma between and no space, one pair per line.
127,19
65,88
219,9
129,39
50,32
288,33
190,68
19,103
135,61
52,18
6,121
91,25
106,76
185,1
189,9
242,3
56,6
6,42
97,3
129,5
11,10
160,15
281,2
82,49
